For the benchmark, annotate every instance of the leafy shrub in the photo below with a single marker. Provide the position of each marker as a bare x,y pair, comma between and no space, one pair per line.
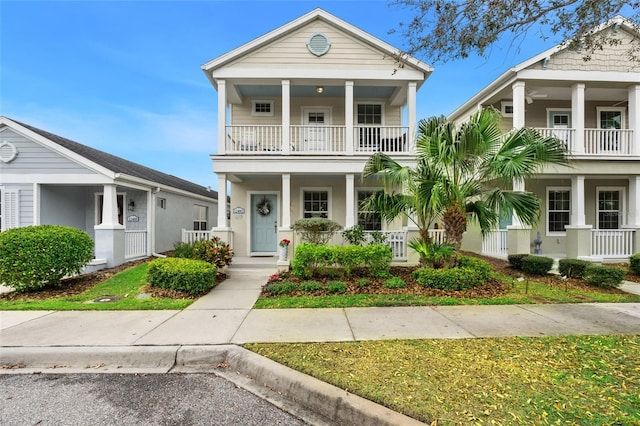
377,237
316,260
186,275
574,268
634,264
395,282
515,260
470,272
316,230
434,254
284,287
537,265
310,286
363,282
336,287
183,250
355,235
604,276
37,256
214,251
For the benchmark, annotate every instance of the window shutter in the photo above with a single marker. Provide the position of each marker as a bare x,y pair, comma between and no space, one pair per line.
10,209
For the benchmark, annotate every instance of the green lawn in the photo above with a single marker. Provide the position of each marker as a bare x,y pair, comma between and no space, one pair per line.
127,284
575,380
519,293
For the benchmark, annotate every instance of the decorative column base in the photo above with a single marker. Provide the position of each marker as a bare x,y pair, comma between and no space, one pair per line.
413,258
578,241
110,245
519,239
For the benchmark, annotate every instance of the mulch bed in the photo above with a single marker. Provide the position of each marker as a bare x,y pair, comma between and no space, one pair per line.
493,288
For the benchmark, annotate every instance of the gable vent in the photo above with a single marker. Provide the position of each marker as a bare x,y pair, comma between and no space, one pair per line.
318,44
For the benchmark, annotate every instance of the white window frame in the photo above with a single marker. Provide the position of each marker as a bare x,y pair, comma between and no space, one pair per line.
326,189
357,206
622,110
199,220
562,111
548,210
623,204
503,108
255,113
161,203
382,113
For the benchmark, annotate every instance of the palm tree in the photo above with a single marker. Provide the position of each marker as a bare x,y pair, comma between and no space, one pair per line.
459,174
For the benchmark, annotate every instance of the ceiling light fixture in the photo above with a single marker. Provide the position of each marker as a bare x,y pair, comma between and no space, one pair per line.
319,89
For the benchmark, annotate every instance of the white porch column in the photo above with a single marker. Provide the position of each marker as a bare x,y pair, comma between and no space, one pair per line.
411,115
109,234
518,186
286,201
577,117
110,208
634,118
518,104
633,219
348,116
577,201
222,202
286,116
222,117
350,218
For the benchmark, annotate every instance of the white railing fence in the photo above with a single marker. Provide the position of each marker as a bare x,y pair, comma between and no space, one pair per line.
565,135
496,243
608,141
397,240
380,138
191,237
312,139
135,244
612,243
254,139
437,236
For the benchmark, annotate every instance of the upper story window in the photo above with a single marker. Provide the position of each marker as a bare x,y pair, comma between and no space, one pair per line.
262,108
370,116
507,109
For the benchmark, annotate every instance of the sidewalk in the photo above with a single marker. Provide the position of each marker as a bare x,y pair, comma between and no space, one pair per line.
205,335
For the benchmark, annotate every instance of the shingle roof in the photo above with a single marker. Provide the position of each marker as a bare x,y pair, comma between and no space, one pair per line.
120,165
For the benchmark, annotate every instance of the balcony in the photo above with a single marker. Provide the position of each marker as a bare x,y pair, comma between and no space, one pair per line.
315,140
597,142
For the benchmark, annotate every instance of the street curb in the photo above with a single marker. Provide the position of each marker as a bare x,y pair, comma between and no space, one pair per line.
311,399
87,359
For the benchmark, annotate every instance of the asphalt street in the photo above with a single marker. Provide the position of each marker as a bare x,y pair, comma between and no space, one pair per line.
132,399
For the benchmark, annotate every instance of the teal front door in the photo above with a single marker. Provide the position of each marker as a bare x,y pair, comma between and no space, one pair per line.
264,223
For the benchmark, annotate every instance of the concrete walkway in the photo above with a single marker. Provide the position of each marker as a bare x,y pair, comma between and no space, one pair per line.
224,316
204,338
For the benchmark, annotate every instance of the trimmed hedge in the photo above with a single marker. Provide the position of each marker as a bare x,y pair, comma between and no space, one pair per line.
537,265
604,276
37,256
314,260
187,275
574,268
515,260
471,272
634,264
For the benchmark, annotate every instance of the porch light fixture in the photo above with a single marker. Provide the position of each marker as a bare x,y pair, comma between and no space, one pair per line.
131,207
319,89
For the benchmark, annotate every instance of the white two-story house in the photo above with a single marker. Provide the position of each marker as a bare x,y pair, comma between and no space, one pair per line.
300,110
591,209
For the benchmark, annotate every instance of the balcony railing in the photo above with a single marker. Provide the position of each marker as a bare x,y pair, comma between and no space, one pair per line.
191,237
135,244
316,139
612,243
596,141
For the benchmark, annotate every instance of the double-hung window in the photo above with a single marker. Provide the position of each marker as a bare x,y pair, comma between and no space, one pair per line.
369,119
558,209
199,218
609,208
369,220
316,203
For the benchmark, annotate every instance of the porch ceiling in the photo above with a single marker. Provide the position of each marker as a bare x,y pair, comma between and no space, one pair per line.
542,92
258,90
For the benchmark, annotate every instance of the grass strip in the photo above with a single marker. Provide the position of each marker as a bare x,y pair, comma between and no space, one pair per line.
499,381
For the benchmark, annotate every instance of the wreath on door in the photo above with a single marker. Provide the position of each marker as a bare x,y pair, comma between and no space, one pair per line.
264,207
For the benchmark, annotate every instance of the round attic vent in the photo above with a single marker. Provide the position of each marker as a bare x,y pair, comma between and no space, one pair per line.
8,152
318,44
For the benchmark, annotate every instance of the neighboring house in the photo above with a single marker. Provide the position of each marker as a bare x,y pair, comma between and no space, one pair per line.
300,109
591,209
129,210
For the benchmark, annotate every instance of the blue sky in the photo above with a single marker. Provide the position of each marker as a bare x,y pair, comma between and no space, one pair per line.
124,76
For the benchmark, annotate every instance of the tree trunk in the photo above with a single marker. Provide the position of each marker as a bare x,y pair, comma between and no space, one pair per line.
455,223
